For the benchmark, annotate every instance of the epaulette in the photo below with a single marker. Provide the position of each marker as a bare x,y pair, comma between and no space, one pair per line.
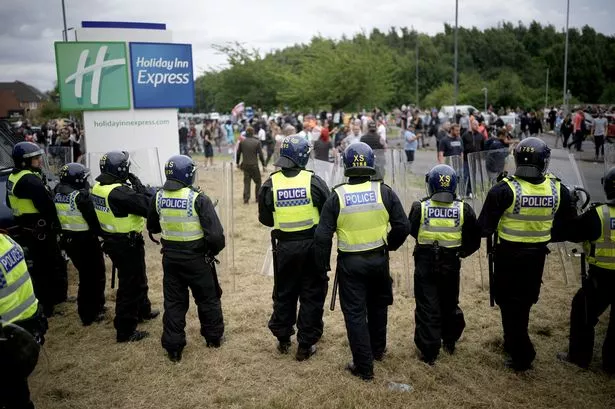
552,176
336,186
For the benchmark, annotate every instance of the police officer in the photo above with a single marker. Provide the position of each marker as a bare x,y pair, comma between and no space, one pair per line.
525,211
80,231
360,212
290,201
120,210
445,229
191,237
35,214
19,312
595,228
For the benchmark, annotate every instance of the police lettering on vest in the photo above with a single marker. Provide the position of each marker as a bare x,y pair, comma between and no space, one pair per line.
61,198
442,212
100,204
292,197
11,259
170,203
612,224
360,198
537,201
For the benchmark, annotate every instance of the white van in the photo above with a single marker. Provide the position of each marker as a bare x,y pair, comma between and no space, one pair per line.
449,110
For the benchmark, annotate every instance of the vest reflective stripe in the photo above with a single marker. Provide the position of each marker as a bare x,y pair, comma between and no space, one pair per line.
445,230
17,299
20,206
529,218
178,217
601,253
292,200
69,215
363,219
108,221
18,313
4,292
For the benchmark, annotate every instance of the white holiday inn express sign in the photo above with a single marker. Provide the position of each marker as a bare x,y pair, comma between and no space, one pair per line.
95,75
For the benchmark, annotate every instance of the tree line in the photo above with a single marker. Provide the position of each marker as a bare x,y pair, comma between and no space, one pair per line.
379,70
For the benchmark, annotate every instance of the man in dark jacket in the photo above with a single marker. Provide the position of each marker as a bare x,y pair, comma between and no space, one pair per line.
35,214
360,213
121,210
290,202
191,237
80,231
372,139
251,150
472,142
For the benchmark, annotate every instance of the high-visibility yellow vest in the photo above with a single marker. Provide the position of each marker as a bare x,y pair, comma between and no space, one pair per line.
20,206
601,253
441,222
108,221
529,218
17,299
363,220
69,214
292,199
178,217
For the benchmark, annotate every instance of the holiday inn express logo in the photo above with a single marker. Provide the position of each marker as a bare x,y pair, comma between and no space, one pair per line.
92,75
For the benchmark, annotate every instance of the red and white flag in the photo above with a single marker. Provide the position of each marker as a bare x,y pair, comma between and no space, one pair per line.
239,108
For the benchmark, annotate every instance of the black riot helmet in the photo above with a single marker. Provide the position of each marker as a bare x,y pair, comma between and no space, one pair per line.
116,164
608,183
532,158
74,175
23,152
442,183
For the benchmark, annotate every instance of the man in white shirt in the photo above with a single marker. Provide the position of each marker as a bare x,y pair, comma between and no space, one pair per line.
382,132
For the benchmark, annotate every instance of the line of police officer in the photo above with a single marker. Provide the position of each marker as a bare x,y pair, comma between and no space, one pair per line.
525,212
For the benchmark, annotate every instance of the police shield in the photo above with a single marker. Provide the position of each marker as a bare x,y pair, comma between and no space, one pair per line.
144,163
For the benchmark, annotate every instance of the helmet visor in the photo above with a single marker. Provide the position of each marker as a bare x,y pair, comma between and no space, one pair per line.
34,154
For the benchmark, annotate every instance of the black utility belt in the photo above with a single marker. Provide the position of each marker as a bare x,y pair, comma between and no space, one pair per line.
442,250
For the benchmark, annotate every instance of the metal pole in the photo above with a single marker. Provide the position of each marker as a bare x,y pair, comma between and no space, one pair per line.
547,90
65,33
417,69
456,56
566,57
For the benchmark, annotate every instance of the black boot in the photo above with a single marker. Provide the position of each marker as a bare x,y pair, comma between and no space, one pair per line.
366,376
175,356
149,316
305,352
134,337
283,346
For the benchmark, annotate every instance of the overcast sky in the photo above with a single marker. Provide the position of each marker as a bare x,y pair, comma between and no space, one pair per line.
28,28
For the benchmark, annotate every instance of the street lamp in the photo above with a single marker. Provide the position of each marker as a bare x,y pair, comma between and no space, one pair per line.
65,33
566,58
485,90
456,55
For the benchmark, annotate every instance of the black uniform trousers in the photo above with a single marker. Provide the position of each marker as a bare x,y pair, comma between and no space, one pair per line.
48,269
366,291
86,254
297,279
518,277
436,291
587,306
14,390
131,301
250,173
180,274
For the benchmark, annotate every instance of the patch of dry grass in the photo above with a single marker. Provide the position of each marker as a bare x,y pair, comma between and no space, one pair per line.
85,368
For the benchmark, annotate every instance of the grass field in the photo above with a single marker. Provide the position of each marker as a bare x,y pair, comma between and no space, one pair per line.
84,368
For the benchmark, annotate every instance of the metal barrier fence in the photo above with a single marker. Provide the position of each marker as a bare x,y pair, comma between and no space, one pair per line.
56,157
